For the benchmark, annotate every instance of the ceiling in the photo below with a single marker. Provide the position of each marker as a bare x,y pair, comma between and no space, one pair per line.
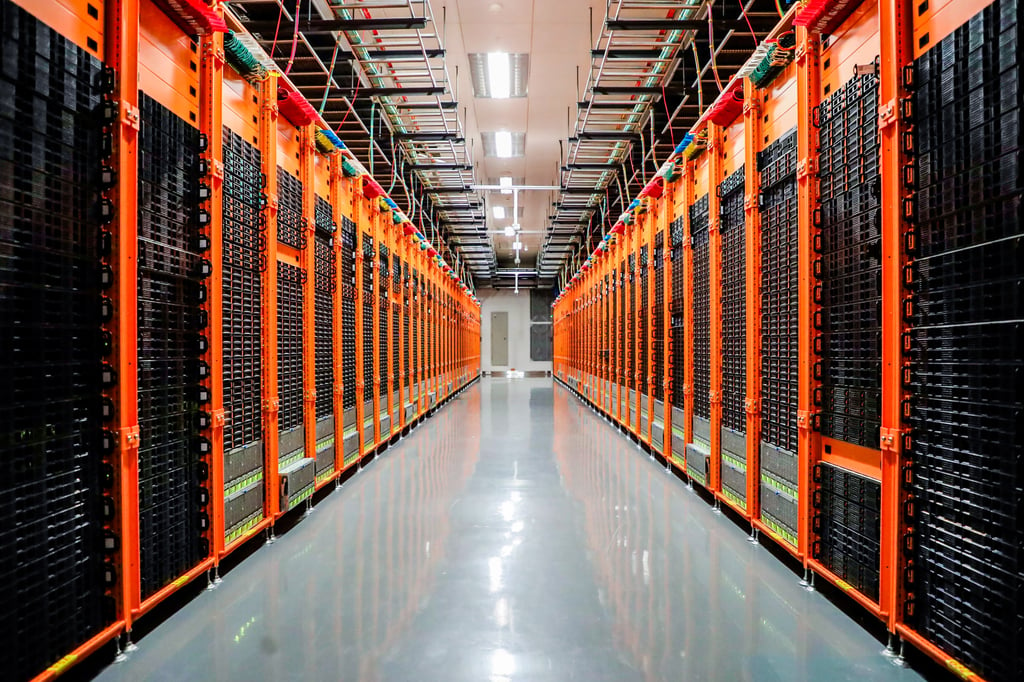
598,89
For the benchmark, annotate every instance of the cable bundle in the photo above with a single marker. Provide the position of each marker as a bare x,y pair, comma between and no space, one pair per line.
727,108
697,147
822,16
371,190
780,54
198,16
295,108
241,59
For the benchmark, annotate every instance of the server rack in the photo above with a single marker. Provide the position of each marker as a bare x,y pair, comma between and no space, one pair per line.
963,347
734,465
172,335
161,200
349,377
325,286
868,270
698,449
243,248
779,494
55,280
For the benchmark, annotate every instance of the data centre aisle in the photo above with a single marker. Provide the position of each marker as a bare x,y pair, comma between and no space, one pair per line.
515,536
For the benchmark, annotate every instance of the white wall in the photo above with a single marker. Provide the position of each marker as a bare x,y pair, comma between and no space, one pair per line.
518,309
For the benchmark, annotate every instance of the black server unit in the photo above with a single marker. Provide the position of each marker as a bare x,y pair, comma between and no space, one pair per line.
850,319
847,523
779,355
348,337
289,210
396,329
631,332
658,320
850,247
383,316
325,284
291,411
698,452
290,288
965,347
407,324
416,336
734,337
641,333
171,338
678,346
51,347
243,262
368,322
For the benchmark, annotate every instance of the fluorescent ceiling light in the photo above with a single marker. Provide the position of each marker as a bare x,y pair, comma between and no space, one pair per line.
499,212
510,231
503,144
499,75
505,182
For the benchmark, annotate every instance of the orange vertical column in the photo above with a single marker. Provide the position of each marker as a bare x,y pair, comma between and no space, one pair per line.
752,191
360,342
669,201
211,78
896,36
121,41
337,195
650,220
715,172
373,227
268,153
307,261
401,248
689,190
808,75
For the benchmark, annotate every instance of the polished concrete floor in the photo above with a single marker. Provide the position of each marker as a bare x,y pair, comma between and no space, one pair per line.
514,536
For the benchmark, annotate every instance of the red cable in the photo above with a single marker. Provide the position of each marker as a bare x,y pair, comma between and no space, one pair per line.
668,117
743,11
295,37
273,47
351,106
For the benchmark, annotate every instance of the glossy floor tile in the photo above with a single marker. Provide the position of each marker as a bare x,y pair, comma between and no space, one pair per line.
514,536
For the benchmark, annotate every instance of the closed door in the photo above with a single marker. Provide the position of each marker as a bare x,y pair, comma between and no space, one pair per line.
499,339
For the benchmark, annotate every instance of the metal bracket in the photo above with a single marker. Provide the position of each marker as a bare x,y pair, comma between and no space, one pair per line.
801,54
714,226
309,224
686,389
804,419
715,397
272,204
887,114
216,55
130,116
806,167
217,170
752,406
271,405
889,440
750,202
218,418
310,396
131,438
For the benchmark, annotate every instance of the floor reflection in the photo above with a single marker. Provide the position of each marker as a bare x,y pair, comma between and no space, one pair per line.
331,597
690,598
513,537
